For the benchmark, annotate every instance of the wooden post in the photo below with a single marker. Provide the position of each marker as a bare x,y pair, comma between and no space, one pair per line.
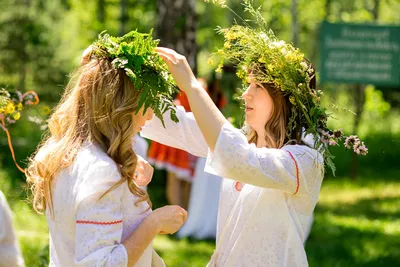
359,99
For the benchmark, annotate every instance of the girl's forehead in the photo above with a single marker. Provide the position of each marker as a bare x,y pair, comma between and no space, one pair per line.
251,79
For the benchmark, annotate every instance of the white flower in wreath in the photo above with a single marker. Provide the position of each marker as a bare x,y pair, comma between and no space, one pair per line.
304,66
279,44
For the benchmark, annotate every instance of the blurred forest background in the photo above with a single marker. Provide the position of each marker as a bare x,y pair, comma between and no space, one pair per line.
357,221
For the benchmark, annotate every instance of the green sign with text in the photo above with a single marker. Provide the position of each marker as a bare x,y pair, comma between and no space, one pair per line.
356,53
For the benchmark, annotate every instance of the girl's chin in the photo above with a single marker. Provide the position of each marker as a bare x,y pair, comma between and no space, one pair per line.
249,121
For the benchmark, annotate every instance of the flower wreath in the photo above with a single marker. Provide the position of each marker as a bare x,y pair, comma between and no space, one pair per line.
135,54
274,61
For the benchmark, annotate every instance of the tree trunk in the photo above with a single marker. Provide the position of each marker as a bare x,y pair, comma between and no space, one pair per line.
295,26
176,27
375,11
101,12
66,4
316,43
23,55
124,16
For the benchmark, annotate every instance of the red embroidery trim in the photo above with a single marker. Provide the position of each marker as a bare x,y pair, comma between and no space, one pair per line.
297,173
237,186
98,223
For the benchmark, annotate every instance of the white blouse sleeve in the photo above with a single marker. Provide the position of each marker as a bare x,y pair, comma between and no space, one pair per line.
3,216
99,220
290,169
185,134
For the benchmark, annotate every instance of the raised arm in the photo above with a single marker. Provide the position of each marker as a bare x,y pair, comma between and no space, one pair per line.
208,116
185,135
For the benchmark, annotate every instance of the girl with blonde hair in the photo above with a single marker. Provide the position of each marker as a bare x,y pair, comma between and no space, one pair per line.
83,174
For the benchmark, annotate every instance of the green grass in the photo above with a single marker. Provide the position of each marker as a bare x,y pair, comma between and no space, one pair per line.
357,223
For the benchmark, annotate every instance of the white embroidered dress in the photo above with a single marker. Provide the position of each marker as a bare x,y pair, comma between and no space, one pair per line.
264,223
86,231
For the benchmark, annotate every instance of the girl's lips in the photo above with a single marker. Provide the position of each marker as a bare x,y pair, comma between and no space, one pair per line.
248,109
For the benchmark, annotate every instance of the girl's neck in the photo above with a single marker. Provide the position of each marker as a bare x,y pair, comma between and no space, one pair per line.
260,142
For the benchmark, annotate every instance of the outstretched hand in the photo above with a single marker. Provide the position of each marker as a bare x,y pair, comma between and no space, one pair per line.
179,68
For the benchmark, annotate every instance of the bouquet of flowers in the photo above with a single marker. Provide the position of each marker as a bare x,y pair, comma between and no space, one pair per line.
11,106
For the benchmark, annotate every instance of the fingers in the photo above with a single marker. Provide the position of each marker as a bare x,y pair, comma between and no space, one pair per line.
179,211
184,214
143,173
167,59
169,55
167,52
171,218
150,172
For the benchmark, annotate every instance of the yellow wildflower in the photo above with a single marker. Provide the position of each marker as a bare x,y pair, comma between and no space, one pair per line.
227,45
230,35
219,69
19,106
222,3
292,100
17,116
10,108
45,110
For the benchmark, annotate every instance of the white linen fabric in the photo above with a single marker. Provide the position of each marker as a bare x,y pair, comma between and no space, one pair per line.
203,204
140,146
87,228
264,223
10,253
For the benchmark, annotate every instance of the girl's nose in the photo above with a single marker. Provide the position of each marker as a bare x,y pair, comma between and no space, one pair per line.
246,94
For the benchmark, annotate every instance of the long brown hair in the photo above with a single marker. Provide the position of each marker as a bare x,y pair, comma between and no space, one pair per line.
276,127
97,107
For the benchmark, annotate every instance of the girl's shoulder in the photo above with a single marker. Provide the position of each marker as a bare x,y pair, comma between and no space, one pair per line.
91,153
94,172
92,159
304,153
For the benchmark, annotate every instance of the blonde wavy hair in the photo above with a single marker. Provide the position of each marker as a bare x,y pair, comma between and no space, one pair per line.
98,106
